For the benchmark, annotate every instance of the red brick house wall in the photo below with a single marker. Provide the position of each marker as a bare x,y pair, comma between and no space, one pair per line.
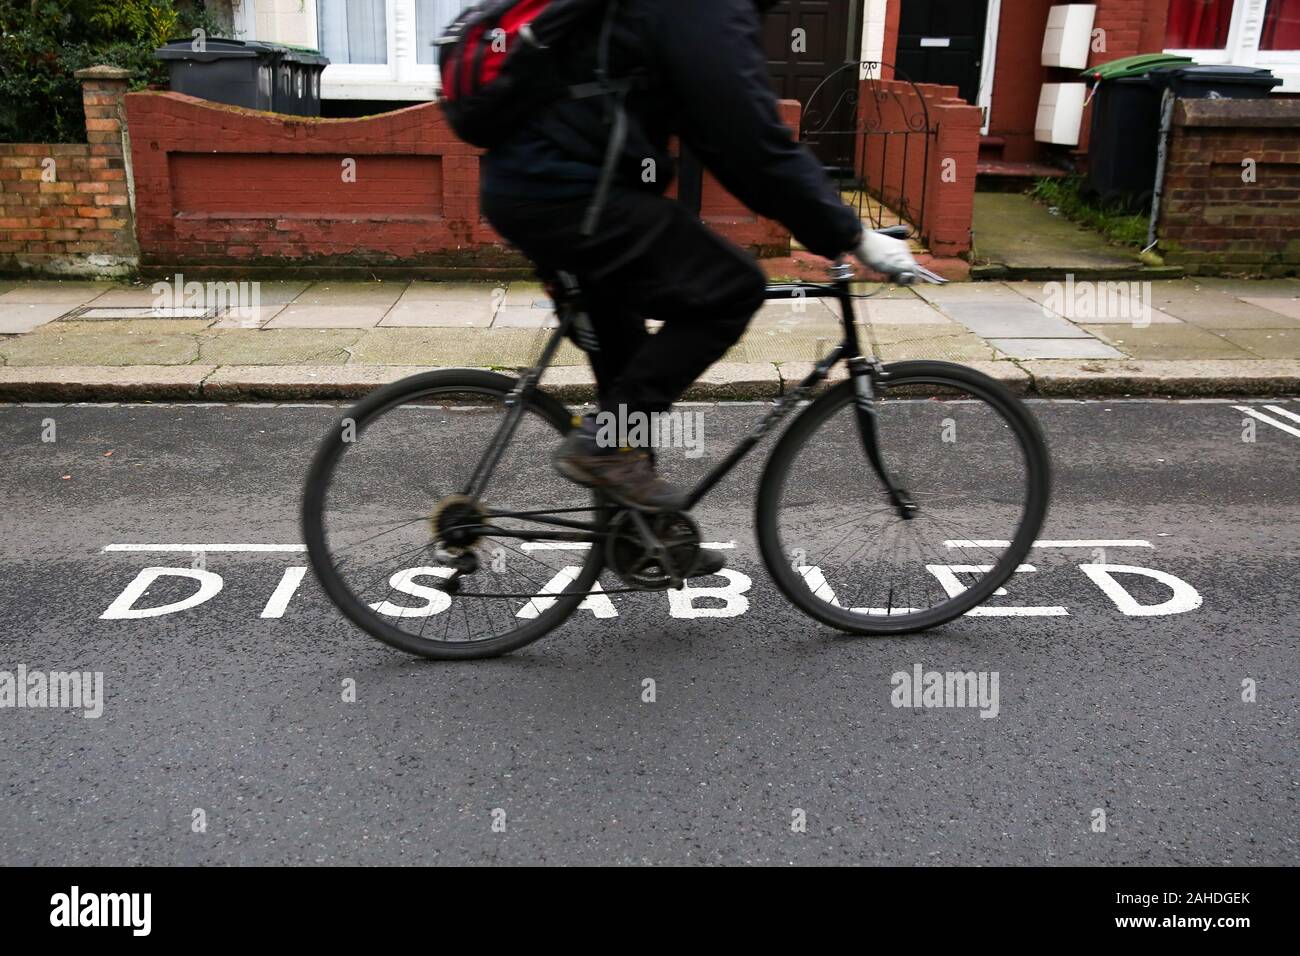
1132,26
220,185
65,207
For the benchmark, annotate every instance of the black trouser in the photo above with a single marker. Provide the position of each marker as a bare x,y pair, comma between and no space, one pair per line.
650,258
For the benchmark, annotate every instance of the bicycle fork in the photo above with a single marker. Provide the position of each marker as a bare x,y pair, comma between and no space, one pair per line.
867,376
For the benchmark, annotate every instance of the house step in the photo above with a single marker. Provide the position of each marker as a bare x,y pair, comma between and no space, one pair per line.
1001,176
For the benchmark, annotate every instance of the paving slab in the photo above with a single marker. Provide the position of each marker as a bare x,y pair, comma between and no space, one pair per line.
254,317
1168,342
298,316
788,313
1288,308
523,317
528,295
1204,307
1254,288
71,294
278,346
1016,318
446,305
1101,302
121,342
1055,348
901,312
351,293
142,296
102,383
17,318
1266,343
505,348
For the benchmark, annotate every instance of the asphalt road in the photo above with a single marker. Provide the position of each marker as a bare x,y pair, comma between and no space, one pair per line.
225,736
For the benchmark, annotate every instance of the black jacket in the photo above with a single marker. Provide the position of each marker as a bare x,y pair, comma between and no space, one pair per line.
706,81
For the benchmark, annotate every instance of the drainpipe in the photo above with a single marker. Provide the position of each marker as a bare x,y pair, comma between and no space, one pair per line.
1162,157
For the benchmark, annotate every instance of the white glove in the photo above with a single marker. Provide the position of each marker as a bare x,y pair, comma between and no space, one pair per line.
892,258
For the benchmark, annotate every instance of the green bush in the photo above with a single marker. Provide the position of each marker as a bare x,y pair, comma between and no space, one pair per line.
43,42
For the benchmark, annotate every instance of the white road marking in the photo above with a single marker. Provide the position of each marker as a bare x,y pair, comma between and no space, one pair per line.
1278,410
1184,597
211,548
1048,543
1282,426
584,545
284,592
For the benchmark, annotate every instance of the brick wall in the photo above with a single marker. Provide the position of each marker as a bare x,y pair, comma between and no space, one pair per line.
1213,221
939,192
219,185
1132,26
66,208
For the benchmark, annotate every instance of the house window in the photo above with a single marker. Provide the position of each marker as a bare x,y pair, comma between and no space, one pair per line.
1281,26
1198,24
353,31
1261,33
432,17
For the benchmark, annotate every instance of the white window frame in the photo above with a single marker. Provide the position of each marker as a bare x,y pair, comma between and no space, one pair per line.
1243,47
401,78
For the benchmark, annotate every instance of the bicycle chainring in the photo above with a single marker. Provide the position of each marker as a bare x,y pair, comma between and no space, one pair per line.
627,555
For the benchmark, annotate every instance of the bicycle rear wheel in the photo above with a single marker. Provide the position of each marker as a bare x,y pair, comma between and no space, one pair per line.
968,453
386,517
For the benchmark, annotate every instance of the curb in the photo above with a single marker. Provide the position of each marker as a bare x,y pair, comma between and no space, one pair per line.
1048,378
997,272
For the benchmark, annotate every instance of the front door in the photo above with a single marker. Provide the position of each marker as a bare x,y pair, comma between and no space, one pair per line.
942,41
806,41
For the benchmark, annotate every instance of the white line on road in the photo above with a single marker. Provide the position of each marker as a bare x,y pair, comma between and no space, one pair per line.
1269,421
213,548
1283,412
1047,543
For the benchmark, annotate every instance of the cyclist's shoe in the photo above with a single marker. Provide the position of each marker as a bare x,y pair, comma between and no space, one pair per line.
708,561
626,475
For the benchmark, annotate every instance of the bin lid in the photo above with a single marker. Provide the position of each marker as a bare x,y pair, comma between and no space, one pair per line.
214,48
1218,74
1134,66
302,54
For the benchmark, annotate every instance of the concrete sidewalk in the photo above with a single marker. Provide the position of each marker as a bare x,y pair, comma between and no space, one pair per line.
87,341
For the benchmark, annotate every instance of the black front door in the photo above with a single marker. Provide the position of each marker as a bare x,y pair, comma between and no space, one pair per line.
807,41
942,41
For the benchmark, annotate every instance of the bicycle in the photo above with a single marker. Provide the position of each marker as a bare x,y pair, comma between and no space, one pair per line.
450,558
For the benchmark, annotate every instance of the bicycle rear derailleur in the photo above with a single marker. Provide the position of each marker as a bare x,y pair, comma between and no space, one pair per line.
652,552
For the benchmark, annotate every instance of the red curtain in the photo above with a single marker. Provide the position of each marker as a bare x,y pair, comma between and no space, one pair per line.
1281,26
1199,24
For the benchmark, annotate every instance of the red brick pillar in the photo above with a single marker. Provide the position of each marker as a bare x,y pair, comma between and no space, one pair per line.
109,185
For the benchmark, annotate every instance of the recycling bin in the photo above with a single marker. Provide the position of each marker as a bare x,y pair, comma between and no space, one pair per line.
1124,135
260,76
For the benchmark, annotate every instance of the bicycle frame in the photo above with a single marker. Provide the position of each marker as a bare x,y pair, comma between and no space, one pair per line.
868,375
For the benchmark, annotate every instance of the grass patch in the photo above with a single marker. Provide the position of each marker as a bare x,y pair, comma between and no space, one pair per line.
1122,228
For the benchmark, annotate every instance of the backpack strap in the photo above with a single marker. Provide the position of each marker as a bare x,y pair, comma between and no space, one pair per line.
615,92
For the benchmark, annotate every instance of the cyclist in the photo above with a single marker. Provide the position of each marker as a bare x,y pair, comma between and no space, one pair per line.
705,81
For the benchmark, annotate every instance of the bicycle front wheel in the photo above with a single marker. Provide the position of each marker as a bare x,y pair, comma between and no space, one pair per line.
971,458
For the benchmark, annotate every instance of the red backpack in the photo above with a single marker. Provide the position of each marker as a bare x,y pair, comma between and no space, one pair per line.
497,66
